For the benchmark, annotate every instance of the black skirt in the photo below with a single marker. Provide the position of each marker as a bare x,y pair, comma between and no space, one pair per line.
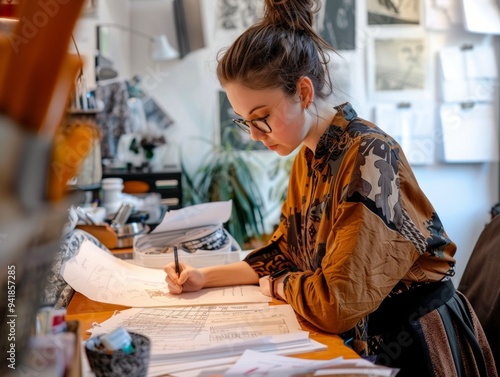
431,330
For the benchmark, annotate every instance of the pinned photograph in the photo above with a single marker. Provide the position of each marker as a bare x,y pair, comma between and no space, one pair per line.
399,64
393,12
336,23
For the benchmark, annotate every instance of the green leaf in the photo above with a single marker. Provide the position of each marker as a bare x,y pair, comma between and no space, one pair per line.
225,175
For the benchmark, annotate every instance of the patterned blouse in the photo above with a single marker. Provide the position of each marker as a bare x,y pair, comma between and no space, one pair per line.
355,228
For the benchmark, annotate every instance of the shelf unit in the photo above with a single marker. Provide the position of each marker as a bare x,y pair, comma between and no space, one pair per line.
167,182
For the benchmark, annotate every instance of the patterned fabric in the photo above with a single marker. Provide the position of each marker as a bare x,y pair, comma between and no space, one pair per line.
57,292
355,229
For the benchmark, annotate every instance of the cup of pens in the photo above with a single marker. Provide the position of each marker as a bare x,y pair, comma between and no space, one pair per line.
118,354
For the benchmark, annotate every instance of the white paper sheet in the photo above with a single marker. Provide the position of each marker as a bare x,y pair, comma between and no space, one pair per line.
105,278
468,74
275,365
218,366
412,127
480,90
469,135
357,367
195,216
476,62
441,14
482,16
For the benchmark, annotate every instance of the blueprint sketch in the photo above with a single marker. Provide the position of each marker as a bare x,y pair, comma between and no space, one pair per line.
102,277
197,332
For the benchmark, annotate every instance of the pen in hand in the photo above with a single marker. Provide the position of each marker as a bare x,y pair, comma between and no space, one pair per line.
176,258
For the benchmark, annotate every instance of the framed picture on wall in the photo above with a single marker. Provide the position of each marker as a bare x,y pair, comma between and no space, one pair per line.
398,68
224,20
394,12
336,23
230,133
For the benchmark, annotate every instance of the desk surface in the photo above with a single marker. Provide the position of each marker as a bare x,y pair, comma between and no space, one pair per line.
88,311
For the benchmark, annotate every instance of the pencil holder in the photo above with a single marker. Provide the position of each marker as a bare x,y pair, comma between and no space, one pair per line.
118,363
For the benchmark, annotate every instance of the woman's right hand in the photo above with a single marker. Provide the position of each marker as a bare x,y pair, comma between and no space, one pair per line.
189,280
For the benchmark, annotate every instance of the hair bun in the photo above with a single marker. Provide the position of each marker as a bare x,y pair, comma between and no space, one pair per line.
295,14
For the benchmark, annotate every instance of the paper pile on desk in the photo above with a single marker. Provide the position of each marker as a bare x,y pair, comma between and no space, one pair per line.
280,366
188,339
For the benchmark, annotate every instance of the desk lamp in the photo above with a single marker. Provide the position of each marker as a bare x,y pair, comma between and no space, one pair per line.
162,50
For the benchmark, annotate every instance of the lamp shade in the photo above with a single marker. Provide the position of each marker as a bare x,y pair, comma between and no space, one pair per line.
162,50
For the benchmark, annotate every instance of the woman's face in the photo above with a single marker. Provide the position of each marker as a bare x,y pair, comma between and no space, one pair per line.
284,115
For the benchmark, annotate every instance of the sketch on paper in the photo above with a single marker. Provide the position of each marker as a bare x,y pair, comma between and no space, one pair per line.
237,15
105,278
399,64
336,23
230,134
393,12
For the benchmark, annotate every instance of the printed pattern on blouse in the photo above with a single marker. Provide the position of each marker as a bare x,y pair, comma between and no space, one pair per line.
356,167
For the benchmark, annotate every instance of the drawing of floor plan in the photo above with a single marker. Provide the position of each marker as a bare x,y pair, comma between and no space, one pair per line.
102,277
208,329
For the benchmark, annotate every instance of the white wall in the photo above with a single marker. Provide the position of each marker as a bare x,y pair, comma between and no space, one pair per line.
116,42
462,195
187,89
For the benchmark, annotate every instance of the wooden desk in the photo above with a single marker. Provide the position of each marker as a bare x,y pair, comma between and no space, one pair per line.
87,312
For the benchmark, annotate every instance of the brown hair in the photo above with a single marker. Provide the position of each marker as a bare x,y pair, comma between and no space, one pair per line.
278,50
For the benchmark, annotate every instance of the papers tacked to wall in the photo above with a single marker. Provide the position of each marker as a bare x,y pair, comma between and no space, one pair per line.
482,16
468,119
470,134
411,124
469,73
441,14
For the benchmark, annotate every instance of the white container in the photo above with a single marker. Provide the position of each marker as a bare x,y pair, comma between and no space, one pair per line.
112,191
147,252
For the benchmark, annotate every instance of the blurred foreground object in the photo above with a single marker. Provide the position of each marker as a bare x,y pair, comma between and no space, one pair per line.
36,77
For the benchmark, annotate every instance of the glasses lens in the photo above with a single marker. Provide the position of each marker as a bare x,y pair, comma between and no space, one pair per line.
261,125
242,124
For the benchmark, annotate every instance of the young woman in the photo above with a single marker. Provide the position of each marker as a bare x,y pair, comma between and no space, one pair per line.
359,251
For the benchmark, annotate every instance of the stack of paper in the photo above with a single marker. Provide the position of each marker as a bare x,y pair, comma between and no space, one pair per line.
279,366
189,339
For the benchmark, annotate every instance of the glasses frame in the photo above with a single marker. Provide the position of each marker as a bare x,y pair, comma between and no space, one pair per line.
244,126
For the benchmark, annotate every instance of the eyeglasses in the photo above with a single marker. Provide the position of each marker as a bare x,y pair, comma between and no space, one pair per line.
259,123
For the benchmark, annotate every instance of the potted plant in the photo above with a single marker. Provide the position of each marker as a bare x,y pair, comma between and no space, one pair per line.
226,175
